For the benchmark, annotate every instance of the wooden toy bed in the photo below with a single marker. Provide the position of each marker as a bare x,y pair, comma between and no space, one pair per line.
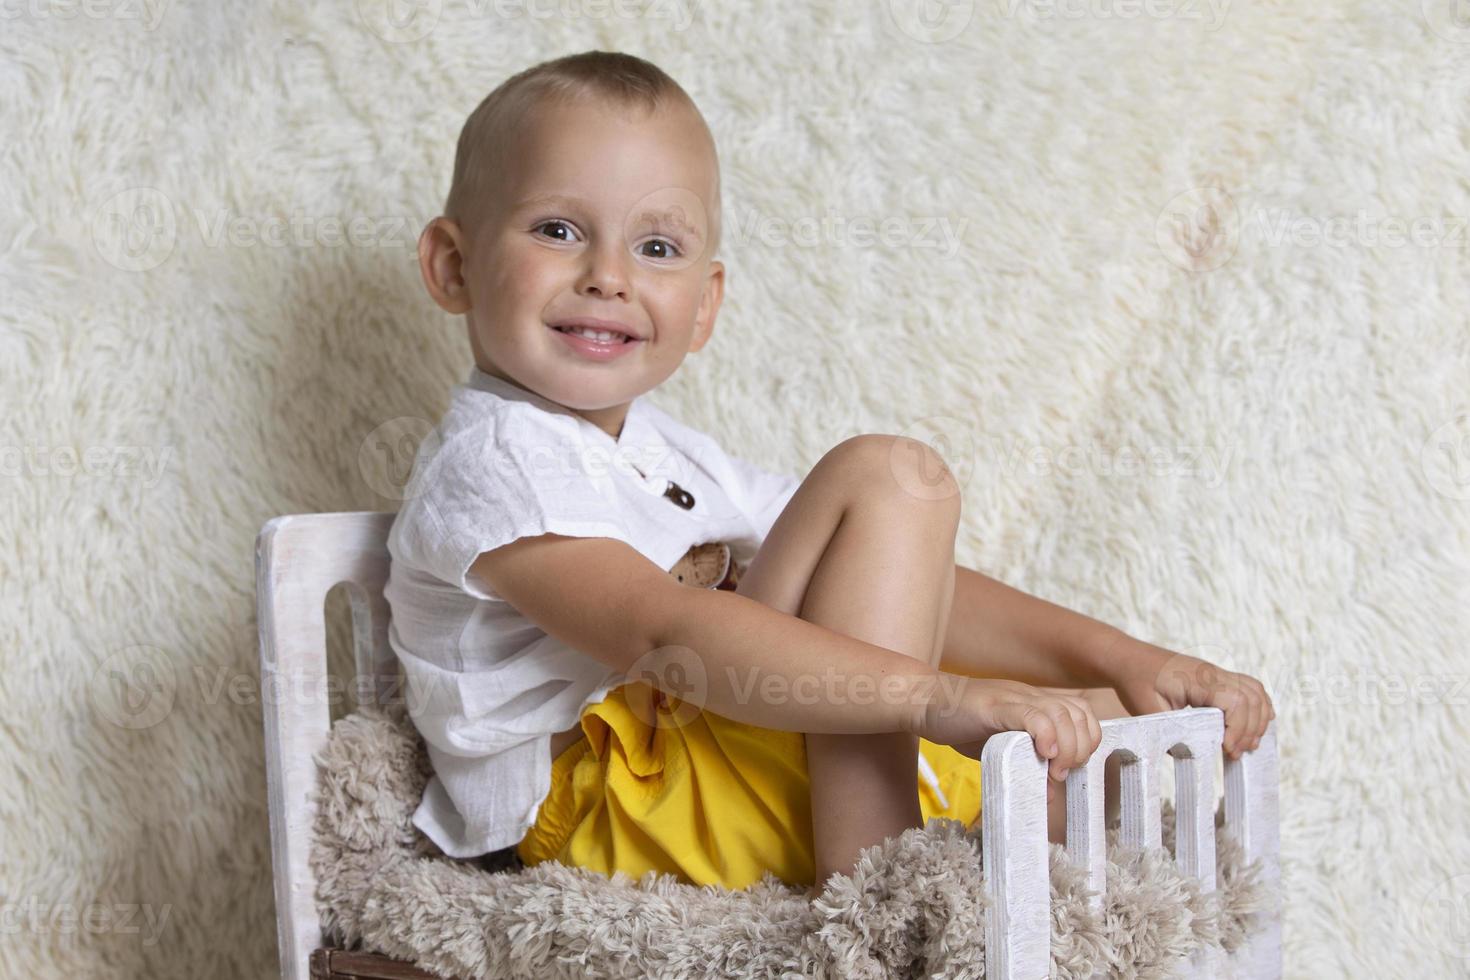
299,559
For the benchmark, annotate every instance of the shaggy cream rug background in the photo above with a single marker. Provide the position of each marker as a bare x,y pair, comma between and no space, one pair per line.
1179,288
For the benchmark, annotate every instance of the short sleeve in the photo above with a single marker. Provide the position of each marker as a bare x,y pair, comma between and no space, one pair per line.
488,485
763,494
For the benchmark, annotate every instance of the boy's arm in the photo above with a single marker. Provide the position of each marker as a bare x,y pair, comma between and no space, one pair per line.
714,648
740,658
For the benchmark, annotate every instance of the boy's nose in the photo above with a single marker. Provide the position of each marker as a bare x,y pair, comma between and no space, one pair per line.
605,275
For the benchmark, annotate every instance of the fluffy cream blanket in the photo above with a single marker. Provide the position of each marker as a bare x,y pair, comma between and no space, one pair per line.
1179,286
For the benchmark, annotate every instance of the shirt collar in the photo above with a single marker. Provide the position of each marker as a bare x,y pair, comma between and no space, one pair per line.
634,432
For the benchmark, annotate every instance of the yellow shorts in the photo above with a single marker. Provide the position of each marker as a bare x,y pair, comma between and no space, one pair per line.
699,796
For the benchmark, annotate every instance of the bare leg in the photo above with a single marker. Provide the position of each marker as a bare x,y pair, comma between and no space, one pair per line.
858,550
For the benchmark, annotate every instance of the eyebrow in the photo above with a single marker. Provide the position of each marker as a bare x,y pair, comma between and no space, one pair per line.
543,199
675,217
670,216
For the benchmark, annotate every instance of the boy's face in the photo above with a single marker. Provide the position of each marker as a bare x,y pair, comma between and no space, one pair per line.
602,213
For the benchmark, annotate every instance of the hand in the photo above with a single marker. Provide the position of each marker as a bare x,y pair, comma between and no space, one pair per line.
1064,726
1149,678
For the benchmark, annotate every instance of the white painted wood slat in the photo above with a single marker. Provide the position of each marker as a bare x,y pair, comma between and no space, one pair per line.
1015,852
298,560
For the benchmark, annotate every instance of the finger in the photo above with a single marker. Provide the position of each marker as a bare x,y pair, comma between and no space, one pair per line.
1245,722
1263,709
1241,738
1066,733
1263,718
1266,699
1256,691
1023,716
1018,717
1251,714
1253,722
1233,721
1093,728
1082,730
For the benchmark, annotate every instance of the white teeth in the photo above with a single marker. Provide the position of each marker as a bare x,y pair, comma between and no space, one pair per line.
605,336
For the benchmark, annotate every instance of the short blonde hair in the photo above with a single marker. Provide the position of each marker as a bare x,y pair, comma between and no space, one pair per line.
621,79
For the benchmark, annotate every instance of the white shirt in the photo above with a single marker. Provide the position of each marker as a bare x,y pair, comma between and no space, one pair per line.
486,687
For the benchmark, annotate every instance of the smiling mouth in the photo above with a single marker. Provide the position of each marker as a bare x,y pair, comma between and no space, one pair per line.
612,338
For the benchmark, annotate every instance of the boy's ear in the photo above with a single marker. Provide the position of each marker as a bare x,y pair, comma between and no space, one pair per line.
709,306
441,263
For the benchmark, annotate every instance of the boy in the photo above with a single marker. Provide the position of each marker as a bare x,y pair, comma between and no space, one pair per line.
581,703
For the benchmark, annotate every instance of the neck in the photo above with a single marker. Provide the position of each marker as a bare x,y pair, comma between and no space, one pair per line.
609,420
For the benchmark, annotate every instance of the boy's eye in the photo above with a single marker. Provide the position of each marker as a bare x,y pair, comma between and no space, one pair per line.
670,250
555,224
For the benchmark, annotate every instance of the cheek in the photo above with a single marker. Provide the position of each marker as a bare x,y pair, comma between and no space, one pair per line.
676,302
518,279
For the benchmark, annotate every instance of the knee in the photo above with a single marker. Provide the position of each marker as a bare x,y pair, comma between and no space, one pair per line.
909,470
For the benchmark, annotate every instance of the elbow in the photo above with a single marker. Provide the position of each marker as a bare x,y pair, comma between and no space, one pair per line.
654,640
